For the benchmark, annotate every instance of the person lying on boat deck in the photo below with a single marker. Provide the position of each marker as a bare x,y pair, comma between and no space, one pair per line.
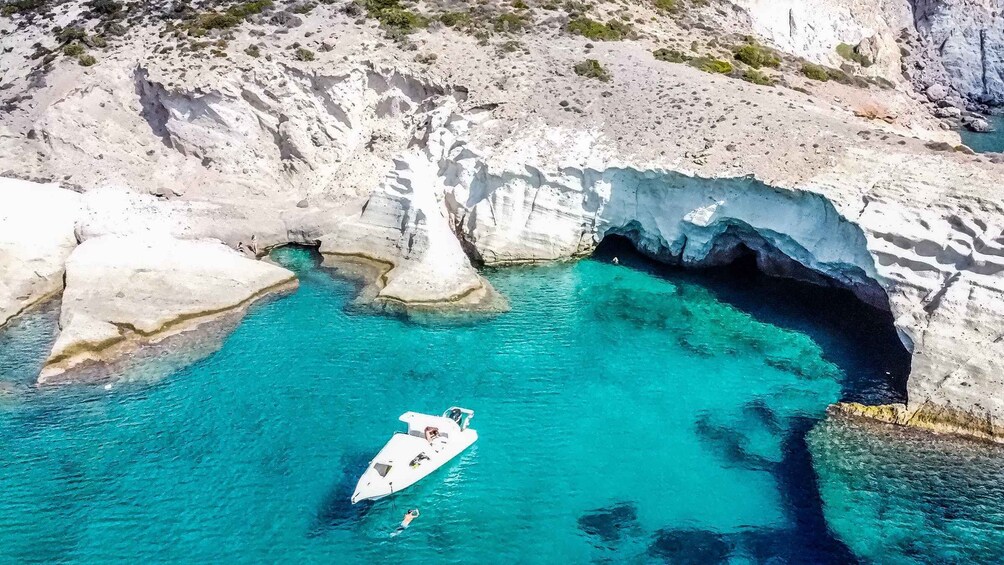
418,459
431,434
408,517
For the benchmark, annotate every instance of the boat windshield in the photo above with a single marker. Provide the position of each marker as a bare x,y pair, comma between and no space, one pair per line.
382,468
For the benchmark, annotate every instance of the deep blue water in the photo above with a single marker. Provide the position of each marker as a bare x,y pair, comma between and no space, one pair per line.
992,142
626,413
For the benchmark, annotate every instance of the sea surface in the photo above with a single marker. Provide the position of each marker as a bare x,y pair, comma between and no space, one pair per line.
627,413
991,142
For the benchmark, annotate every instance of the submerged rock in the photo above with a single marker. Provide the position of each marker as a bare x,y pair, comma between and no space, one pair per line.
611,523
691,546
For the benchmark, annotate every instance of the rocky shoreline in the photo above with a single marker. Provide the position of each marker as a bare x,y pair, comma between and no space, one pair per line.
422,169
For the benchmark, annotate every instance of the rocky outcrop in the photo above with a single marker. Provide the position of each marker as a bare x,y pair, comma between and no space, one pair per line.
416,168
36,237
961,44
126,292
813,29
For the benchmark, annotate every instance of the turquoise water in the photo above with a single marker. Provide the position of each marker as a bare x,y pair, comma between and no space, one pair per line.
626,413
992,142
902,496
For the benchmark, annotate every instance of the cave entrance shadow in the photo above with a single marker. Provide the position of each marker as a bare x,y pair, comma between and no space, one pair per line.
859,339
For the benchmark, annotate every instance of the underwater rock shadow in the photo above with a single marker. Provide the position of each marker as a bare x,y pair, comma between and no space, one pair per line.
336,508
730,444
608,525
809,540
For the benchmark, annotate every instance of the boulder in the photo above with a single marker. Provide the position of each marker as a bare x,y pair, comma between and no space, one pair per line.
936,92
977,124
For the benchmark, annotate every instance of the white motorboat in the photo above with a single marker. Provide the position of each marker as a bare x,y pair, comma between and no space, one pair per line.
410,456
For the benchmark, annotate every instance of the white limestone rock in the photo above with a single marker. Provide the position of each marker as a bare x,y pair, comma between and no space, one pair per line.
122,292
36,236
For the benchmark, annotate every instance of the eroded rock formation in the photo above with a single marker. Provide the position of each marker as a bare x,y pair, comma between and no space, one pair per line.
126,292
420,168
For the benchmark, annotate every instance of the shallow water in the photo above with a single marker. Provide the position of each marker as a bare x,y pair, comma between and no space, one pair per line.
992,142
902,496
629,413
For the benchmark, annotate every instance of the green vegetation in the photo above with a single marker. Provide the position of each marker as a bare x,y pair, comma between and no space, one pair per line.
455,19
851,53
71,33
508,22
302,54
73,50
12,7
591,68
757,56
815,72
520,5
757,77
392,15
86,60
667,5
671,55
232,17
613,30
105,7
712,65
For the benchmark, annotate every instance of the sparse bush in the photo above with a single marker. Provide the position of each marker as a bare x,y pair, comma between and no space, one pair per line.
508,23
426,58
391,14
671,55
757,56
105,7
667,5
815,72
757,77
12,7
86,60
253,51
591,68
303,54
851,53
520,5
613,30
455,19
73,50
71,33
712,65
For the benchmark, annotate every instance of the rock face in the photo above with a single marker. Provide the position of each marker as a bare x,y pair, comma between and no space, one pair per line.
36,237
814,28
125,292
962,43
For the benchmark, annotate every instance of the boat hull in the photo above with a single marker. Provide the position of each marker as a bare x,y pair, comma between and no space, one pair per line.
399,455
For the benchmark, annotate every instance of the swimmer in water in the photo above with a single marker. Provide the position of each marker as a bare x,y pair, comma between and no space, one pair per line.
408,517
